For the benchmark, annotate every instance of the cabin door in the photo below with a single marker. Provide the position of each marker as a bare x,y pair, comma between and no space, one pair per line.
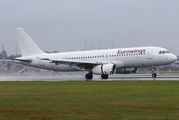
150,53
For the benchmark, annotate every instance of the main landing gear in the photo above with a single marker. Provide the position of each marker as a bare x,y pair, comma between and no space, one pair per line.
89,76
104,76
154,75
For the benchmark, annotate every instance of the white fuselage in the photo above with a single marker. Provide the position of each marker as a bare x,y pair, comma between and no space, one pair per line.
122,58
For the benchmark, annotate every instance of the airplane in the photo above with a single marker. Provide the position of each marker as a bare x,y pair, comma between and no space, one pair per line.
99,62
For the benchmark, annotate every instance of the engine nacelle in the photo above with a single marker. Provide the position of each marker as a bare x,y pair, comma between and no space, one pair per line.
126,70
104,69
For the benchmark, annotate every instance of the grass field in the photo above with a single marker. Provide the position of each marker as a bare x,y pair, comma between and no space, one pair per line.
89,100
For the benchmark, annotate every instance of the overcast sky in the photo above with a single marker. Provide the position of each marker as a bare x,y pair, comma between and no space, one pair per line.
65,25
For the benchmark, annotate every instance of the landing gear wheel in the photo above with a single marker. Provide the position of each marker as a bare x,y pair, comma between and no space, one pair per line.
154,75
104,76
89,76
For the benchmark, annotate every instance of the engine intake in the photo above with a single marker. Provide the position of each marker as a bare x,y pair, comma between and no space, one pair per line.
104,69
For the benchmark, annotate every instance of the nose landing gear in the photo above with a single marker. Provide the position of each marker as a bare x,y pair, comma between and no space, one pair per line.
154,75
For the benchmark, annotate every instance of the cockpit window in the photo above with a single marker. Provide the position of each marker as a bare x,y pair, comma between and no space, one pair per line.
163,52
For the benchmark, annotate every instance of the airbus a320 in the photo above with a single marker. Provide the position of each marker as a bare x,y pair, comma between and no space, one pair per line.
99,62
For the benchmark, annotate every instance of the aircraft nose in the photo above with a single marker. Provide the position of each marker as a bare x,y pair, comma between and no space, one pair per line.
173,58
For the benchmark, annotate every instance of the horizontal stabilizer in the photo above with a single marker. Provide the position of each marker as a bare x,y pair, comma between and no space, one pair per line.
23,59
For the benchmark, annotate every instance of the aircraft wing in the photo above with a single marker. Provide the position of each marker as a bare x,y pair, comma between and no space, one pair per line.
79,63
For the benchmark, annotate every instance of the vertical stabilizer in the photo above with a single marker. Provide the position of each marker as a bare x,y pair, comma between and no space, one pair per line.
26,44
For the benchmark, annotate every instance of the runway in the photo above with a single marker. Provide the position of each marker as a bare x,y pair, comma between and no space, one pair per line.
81,77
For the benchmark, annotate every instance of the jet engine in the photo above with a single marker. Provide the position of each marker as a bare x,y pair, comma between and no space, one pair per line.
104,69
126,70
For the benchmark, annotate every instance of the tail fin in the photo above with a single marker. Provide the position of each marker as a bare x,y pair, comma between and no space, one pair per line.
26,44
